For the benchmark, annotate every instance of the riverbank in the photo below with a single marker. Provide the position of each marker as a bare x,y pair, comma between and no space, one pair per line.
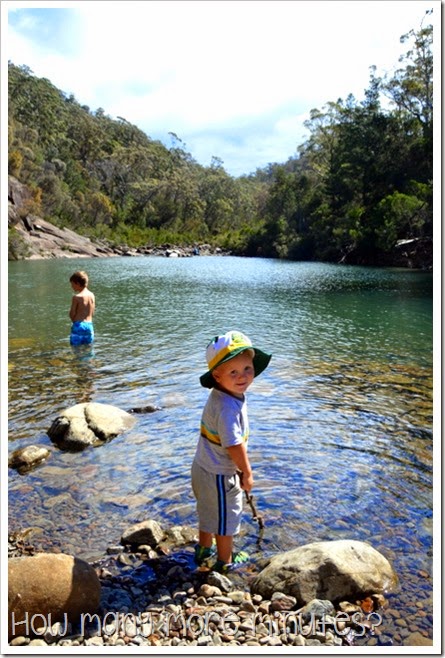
164,600
32,238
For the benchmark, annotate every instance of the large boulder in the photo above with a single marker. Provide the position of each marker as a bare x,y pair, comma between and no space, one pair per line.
88,424
43,588
330,570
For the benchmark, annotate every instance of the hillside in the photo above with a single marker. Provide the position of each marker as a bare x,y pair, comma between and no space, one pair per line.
360,190
34,238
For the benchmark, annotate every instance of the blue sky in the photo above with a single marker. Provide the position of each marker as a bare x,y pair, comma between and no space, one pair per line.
233,79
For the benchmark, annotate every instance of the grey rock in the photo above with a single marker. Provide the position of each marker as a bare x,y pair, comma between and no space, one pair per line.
317,608
147,533
219,580
24,459
334,570
88,424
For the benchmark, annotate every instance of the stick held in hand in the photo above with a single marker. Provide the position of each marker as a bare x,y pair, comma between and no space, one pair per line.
255,515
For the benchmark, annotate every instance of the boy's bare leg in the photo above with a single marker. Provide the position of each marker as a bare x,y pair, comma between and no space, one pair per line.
205,539
224,545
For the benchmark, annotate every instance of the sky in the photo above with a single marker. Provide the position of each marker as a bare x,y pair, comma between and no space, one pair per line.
233,79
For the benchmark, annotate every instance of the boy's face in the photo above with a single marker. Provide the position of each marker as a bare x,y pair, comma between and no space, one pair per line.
236,375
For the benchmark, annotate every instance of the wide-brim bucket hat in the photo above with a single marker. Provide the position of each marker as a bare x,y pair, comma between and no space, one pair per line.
226,347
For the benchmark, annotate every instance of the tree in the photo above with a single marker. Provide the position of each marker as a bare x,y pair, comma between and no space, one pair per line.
411,87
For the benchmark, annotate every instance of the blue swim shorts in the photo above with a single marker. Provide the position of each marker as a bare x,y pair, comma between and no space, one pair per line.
82,333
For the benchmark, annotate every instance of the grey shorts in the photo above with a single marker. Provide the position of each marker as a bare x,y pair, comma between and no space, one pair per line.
219,501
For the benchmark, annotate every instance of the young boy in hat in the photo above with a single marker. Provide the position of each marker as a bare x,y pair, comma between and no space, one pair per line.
221,467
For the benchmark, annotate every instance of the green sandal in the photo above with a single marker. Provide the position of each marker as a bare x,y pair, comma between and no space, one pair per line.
237,558
203,553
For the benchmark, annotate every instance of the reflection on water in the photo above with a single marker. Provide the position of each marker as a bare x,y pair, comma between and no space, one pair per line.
83,369
341,420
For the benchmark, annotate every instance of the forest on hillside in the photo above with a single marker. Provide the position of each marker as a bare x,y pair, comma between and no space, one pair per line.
362,182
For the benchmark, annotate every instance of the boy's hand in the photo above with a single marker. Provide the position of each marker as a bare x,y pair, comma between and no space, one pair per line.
238,454
246,481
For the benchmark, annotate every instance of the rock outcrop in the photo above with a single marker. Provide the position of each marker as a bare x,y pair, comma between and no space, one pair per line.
332,570
32,237
35,238
88,424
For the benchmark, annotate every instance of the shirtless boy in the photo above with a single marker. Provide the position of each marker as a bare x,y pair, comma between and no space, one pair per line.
82,309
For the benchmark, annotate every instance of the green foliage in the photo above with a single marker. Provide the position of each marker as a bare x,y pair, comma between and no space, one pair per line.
399,214
17,248
361,181
15,162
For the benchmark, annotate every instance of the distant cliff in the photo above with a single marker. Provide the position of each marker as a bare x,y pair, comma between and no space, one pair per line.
31,237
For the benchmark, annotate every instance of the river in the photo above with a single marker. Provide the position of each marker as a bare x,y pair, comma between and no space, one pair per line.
341,421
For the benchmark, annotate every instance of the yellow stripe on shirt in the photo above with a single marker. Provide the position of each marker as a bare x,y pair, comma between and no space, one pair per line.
213,437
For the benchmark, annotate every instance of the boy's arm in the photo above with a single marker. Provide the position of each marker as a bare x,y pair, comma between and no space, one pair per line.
73,308
238,454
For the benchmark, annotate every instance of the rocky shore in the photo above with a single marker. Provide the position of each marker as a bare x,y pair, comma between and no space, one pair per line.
158,597
34,238
152,600
147,590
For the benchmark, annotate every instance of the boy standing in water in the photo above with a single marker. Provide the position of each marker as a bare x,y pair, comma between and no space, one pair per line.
82,309
221,467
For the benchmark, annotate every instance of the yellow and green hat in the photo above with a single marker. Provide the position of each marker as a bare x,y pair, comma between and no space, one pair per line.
223,348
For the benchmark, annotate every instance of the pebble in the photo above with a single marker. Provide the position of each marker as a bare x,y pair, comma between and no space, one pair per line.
177,605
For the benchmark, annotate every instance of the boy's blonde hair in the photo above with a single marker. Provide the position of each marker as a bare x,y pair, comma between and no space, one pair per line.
80,277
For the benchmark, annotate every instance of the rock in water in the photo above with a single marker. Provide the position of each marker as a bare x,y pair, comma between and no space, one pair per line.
87,424
24,459
146,532
148,409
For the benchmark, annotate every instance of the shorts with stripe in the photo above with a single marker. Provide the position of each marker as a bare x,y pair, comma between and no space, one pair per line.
219,501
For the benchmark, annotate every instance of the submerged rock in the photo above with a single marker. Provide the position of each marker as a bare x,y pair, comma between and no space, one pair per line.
148,409
24,459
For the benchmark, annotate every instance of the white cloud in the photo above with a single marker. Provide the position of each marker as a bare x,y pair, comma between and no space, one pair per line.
206,69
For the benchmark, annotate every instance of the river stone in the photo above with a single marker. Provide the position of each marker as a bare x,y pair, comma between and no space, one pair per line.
330,570
87,424
146,532
24,459
51,585
416,639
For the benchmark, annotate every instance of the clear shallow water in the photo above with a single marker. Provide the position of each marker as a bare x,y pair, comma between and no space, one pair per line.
341,421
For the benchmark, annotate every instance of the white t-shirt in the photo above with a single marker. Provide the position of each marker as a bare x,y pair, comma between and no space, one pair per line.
224,423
